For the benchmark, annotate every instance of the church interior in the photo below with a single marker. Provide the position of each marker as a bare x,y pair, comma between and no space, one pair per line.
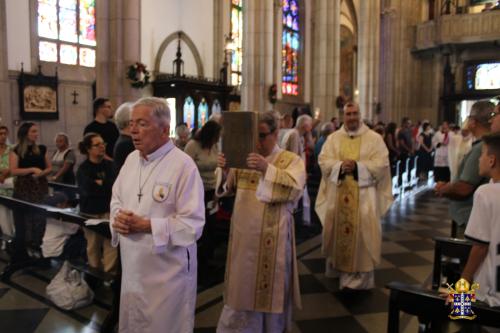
411,63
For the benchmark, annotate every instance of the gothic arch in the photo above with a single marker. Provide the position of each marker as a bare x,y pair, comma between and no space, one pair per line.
189,42
354,16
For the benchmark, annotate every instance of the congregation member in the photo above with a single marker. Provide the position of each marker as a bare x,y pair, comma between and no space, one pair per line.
392,145
124,145
440,142
182,136
424,162
461,190
58,233
483,228
495,120
30,164
355,192
203,150
298,140
157,214
261,271
63,161
405,140
460,144
95,178
102,125
6,186
326,129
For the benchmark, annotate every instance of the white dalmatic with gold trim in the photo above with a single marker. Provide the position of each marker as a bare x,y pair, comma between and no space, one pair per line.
158,291
261,272
350,208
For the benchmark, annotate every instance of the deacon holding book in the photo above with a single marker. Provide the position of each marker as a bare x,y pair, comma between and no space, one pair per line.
157,214
354,193
261,271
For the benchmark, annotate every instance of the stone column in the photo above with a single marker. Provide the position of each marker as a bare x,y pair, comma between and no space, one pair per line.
404,88
368,57
5,107
118,40
257,71
326,56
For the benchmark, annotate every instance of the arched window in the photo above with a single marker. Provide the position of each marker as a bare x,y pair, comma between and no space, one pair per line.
202,113
188,112
290,48
236,35
66,31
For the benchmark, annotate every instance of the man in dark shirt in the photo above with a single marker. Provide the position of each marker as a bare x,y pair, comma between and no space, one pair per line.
102,126
124,144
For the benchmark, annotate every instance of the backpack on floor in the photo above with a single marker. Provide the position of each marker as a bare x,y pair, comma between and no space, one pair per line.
68,290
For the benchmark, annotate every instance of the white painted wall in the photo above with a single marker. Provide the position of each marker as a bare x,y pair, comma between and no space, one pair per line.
18,34
160,18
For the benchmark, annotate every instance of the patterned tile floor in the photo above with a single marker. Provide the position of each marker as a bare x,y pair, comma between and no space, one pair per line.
407,255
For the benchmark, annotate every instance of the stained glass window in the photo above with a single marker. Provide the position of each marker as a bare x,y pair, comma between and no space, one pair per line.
290,48
202,113
236,34
188,109
71,22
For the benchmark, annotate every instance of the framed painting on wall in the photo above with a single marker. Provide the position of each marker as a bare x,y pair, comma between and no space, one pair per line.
38,96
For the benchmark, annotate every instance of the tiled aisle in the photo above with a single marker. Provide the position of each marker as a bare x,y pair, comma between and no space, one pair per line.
407,254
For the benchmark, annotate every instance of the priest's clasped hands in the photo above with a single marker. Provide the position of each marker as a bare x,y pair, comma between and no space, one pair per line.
348,166
126,222
254,161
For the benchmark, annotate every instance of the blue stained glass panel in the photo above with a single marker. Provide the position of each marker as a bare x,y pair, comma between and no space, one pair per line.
202,113
290,46
188,112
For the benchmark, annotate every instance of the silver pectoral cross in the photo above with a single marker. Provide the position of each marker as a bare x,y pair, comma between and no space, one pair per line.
139,196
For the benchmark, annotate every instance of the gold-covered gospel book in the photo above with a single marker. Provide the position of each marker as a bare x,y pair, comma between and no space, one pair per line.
239,137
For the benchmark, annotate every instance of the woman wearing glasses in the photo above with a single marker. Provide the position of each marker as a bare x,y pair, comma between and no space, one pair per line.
95,178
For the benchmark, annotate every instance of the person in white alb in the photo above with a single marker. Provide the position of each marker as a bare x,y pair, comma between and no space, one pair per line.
354,194
157,214
483,228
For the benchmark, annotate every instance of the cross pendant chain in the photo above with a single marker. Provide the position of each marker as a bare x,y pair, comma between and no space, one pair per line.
141,186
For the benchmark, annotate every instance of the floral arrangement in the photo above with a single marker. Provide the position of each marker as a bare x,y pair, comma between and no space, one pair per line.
138,75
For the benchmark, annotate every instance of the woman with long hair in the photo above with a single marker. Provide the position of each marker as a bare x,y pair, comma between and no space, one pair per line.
95,177
30,164
204,151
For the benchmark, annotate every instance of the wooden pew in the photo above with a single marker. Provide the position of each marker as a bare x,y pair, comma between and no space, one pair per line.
450,248
430,307
59,214
426,303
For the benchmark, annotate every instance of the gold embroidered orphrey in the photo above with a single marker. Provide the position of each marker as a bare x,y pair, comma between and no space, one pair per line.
269,236
347,218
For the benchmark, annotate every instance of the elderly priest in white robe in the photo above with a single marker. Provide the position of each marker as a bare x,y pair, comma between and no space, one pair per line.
261,271
354,193
157,214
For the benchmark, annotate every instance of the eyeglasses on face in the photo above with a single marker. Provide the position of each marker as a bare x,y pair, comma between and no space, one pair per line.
99,144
